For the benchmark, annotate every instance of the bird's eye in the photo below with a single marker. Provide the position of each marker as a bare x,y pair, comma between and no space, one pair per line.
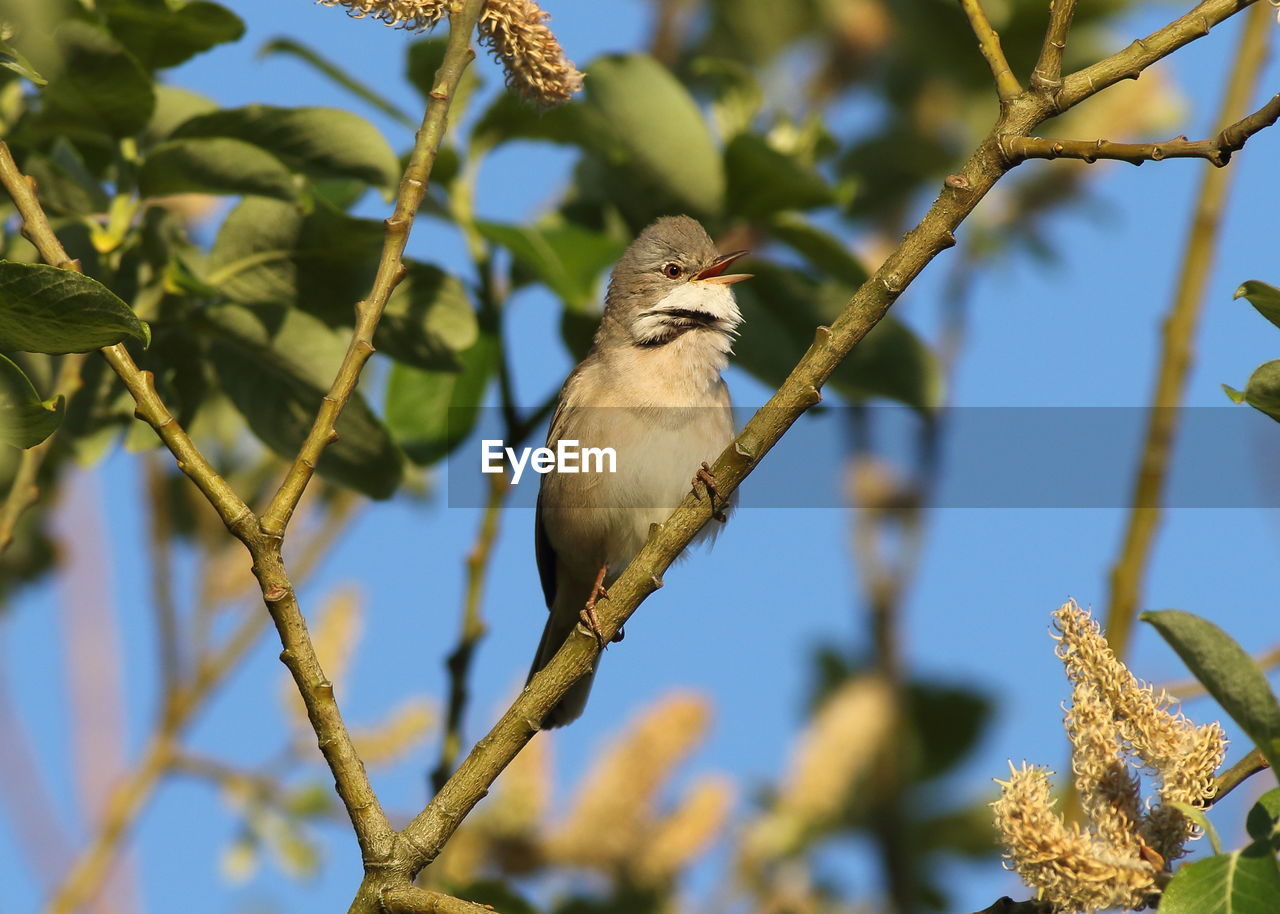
672,270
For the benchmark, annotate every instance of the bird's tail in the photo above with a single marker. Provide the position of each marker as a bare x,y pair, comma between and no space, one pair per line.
560,623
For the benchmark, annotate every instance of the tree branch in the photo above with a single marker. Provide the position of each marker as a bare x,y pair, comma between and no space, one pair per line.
182,704
1007,85
1143,52
391,269
1218,149
1047,74
472,630
1178,343
1238,773
408,899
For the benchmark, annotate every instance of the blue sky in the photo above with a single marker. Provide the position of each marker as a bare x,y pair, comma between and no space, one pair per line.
736,622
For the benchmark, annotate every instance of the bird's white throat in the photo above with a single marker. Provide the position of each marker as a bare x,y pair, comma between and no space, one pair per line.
710,303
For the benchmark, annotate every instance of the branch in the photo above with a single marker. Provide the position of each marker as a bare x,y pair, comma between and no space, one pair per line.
23,491
407,899
1007,905
472,630
1143,52
1238,773
1178,345
129,797
1047,74
162,599
1217,149
391,269
1007,85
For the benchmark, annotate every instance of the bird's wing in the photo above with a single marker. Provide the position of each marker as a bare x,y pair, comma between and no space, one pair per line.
546,554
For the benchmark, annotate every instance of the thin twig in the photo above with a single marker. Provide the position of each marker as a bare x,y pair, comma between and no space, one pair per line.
162,599
23,491
1007,85
1047,74
1217,149
1143,52
1238,773
391,269
472,630
1176,352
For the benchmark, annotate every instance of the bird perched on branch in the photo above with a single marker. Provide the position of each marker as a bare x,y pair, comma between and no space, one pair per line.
650,388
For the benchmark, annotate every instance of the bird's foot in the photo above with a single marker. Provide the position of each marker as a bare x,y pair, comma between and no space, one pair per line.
708,479
588,614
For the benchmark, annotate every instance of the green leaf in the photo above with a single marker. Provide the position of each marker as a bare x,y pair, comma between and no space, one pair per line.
1243,882
508,118
12,59
946,722
44,309
1197,815
275,365
567,258
822,250
322,142
782,308
1263,390
326,67
763,181
1263,821
655,127
736,94
174,107
161,33
429,321
1235,396
1228,673
432,412
66,185
99,86
216,165
1263,297
269,251
25,419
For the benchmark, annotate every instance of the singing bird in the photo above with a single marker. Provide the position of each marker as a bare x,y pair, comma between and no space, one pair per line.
651,389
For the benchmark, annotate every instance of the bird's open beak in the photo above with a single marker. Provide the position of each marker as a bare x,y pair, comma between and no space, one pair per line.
715,272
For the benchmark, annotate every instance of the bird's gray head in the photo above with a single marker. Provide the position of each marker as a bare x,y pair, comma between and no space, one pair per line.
671,282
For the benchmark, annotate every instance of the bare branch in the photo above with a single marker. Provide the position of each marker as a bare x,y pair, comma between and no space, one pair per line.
391,269
1048,70
1218,149
472,630
1238,773
407,899
1007,85
1143,52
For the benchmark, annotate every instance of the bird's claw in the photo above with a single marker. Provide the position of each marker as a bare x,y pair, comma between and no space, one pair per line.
708,479
588,614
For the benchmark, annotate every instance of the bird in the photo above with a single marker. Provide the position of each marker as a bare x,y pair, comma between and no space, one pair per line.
651,388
